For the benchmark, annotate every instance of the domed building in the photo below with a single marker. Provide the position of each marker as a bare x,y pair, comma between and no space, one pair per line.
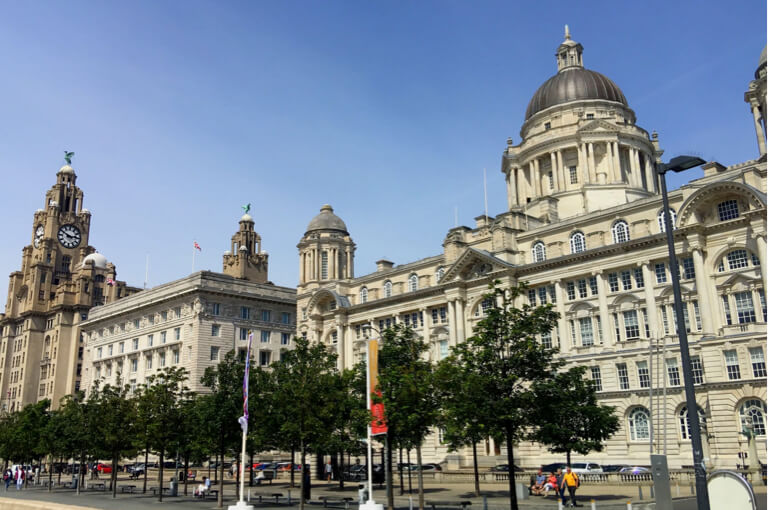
584,228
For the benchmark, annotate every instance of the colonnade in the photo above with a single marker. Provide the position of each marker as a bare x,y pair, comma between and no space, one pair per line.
339,263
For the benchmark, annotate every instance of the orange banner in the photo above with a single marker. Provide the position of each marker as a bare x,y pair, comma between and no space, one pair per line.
378,421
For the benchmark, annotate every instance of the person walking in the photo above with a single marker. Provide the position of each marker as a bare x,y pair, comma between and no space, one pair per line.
571,481
559,487
19,477
328,471
8,478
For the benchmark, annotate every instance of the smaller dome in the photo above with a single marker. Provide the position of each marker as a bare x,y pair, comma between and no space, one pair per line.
99,261
247,217
39,211
243,248
226,253
66,169
326,220
85,211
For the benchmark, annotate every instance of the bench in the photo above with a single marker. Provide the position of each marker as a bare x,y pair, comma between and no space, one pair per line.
339,501
166,490
211,492
97,486
127,488
443,504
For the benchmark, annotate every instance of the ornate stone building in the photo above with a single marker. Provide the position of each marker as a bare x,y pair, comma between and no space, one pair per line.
583,228
61,278
194,321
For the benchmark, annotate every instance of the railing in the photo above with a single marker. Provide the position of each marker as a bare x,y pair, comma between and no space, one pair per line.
678,477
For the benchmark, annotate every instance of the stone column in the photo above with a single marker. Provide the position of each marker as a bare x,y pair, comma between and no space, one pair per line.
555,178
616,162
560,172
452,322
583,165
341,347
605,317
521,185
332,263
636,159
302,262
703,290
650,301
761,255
460,319
591,159
650,174
536,172
562,323
758,129
511,188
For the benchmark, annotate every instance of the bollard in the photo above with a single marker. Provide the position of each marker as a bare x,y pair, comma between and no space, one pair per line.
559,504
594,505
485,502
629,505
259,498
677,487
410,502
640,492
692,491
249,495
289,497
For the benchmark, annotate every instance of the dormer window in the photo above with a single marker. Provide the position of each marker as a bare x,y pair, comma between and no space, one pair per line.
547,125
590,116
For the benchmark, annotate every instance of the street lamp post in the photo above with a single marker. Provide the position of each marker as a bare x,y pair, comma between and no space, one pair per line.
679,164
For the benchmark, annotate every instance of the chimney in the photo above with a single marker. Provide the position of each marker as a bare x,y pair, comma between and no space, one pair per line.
383,265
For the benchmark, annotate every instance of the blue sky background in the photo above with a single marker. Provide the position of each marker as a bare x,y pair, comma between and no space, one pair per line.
179,112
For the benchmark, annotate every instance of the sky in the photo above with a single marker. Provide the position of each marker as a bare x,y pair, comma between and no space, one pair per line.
179,112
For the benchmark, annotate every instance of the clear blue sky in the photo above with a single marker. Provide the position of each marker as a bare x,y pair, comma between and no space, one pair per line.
180,111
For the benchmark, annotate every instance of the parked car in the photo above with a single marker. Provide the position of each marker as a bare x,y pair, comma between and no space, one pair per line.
103,468
172,464
405,466
613,468
136,470
504,468
359,473
581,468
634,470
267,466
286,466
430,467
552,468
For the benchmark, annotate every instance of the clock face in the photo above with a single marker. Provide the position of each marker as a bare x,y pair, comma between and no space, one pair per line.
69,236
39,232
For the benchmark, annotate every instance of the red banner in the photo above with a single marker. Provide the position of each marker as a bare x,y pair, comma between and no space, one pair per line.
378,420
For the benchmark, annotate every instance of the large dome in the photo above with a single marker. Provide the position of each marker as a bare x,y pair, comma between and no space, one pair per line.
326,220
574,84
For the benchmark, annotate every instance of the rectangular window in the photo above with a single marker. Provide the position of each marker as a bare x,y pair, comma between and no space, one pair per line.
745,308
265,358
646,323
686,318
243,334
571,290
631,327
286,318
163,336
621,370
135,344
673,373
698,370
121,347
573,174
162,359
177,333
215,308
175,356
150,340
546,339
151,319
732,365
285,338
164,315
245,312
585,328
661,273
574,339
626,280
134,365
728,210
542,295
616,327
761,295
148,361
727,310
737,259
758,361
265,337
532,297
613,282
688,272
214,354
443,349
596,378
215,330
324,265
109,350
177,312
552,295
593,285
643,375
266,315
599,329
136,323
639,280
582,288
98,353
696,314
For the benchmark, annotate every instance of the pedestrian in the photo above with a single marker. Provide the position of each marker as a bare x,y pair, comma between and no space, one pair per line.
7,478
328,471
559,486
571,481
19,477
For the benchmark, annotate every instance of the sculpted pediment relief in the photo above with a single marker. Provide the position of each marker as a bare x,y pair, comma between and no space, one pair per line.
473,264
598,125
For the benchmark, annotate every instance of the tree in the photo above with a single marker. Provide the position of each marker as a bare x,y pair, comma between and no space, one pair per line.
53,440
78,417
222,407
569,416
407,390
165,394
302,376
505,349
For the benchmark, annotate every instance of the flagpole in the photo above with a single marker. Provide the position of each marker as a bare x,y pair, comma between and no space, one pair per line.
243,421
193,257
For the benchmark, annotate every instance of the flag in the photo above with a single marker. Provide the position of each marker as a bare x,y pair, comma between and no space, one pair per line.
243,420
110,282
197,246
378,421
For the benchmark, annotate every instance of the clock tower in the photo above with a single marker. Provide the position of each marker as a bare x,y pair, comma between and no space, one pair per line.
60,279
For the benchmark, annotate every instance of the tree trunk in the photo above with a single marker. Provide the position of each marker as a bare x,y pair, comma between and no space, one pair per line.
113,478
220,470
250,471
388,473
341,470
50,473
81,472
146,469
160,476
293,460
568,458
61,461
408,457
186,473
420,477
238,465
303,475
477,472
511,462
400,471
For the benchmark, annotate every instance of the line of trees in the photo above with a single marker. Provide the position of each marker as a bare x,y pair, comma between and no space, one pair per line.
501,383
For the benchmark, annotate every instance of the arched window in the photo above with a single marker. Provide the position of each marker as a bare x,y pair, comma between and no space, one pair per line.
364,295
65,261
99,278
387,289
685,424
755,410
728,210
439,274
413,283
324,265
639,419
620,231
578,242
672,216
539,252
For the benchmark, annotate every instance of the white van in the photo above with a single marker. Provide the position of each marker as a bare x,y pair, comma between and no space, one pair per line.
581,468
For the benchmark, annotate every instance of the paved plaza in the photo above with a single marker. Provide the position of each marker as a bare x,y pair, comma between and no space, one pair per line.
605,497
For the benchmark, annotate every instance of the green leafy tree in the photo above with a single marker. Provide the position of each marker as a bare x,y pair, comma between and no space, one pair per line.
569,416
301,376
221,409
505,349
29,425
53,440
408,390
79,417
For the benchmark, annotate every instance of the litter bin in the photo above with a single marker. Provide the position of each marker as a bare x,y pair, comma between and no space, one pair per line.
307,485
362,494
174,487
74,481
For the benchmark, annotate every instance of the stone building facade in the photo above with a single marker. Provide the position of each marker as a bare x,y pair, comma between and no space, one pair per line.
583,228
193,322
61,278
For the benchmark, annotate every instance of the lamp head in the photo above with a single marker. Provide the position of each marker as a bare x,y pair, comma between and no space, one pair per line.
681,163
